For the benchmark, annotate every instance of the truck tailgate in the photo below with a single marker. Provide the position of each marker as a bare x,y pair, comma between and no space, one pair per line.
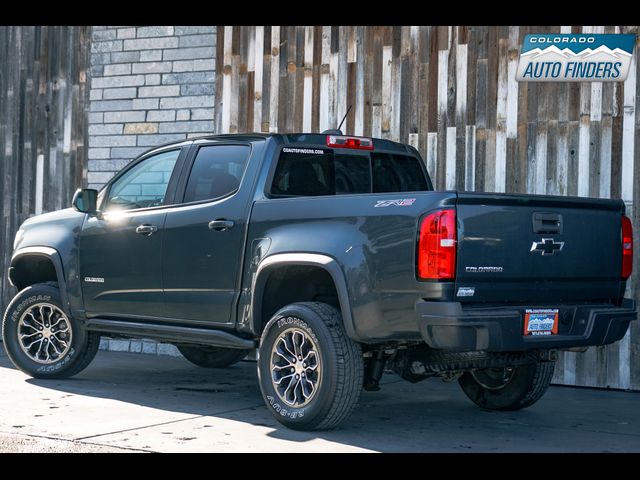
523,248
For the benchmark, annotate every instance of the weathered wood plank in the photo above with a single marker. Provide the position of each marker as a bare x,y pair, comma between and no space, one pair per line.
308,79
461,113
604,188
443,66
359,120
470,157
315,84
258,76
342,76
349,123
511,121
432,155
407,83
628,133
226,108
450,183
501,119
432,98
584,136
325,79
43,100
396,90
387,60
368,60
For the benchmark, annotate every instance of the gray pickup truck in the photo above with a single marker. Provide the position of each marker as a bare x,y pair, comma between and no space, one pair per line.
335,258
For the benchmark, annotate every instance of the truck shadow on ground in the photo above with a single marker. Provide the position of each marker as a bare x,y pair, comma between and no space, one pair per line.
430,416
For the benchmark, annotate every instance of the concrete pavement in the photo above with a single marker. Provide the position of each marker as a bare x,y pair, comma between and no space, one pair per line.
130,402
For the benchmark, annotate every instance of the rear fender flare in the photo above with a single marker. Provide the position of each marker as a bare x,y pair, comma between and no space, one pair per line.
325,262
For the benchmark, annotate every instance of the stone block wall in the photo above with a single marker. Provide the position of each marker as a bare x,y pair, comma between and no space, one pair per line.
148,86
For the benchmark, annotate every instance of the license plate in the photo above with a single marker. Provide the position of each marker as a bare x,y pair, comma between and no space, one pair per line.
541,321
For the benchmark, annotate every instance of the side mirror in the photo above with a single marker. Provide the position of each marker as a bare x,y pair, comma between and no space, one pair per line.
85,200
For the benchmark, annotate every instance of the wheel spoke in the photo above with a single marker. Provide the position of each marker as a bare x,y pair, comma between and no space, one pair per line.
295,367
279,368
283,344
37,355
311,360
298,339
307,388
65,329
34,319
285,353
37,334
26,325
58,352
60,319
24,336
41,310
284,377
289,392
33,343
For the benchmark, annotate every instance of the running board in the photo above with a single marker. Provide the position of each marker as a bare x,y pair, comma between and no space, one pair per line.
169,333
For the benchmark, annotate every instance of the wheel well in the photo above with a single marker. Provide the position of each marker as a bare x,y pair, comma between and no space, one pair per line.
32,269
295,283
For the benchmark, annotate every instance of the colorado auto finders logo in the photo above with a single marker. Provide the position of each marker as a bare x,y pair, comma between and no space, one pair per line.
575,58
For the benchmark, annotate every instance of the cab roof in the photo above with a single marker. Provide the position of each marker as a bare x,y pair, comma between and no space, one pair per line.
300,138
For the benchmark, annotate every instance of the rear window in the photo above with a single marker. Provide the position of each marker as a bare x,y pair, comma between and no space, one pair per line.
312,172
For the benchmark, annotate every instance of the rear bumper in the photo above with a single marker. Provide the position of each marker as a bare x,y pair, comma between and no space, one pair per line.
449,326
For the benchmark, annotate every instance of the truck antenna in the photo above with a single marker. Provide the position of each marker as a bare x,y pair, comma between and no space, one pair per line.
345,117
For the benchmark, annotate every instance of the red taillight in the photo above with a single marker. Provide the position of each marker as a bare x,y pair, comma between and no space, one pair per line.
627,247
359,143
437,246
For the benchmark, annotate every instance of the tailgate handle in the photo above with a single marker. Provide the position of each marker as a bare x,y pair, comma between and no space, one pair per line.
547,222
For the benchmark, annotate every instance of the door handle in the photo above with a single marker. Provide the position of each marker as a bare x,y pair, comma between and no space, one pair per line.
221,225
146,229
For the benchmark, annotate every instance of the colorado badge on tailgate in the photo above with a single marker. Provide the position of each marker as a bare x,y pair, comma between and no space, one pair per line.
541,321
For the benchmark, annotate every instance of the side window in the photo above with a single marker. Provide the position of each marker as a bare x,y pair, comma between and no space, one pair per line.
397,173
304,174
144,185
216,172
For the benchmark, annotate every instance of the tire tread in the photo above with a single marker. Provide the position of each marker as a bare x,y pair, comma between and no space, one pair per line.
349,368
349,383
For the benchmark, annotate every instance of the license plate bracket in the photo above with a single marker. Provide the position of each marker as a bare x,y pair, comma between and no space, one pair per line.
540,322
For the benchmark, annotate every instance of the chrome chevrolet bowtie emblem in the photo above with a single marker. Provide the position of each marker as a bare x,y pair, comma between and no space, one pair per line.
547,246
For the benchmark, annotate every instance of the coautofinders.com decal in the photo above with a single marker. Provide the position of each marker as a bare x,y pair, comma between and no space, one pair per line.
575,58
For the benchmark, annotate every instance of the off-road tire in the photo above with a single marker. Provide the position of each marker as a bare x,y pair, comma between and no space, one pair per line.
340,364
212,357
83,347
527,385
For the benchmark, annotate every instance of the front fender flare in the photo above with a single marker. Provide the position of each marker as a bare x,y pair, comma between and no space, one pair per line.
323,261
54,256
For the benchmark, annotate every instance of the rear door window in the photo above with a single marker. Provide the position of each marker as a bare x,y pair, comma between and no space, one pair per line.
216,172
304,174
315,172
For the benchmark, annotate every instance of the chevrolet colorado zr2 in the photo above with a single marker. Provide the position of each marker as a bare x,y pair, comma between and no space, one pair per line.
331,255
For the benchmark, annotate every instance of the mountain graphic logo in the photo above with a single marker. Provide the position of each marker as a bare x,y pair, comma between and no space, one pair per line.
575,58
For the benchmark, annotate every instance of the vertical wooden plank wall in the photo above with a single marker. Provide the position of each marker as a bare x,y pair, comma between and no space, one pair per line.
451,92
43,98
